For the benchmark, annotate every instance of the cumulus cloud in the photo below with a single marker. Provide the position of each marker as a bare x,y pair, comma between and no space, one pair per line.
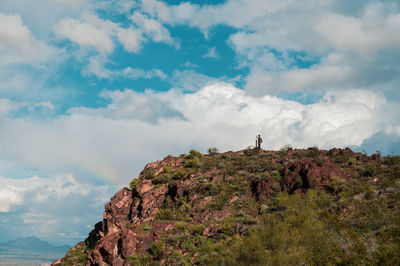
19,46
136,128
355,44
100,34
148,107
152,28
14,192
190,80
84,33
131,39
39,206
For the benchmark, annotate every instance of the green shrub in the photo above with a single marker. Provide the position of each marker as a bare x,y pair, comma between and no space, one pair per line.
209,162
195,154
138,259
181,226
369,170
179,174
227,230
147,228
165,214
313,152
264,209
219,202
333,186
167,169
191,163
157,250
391,160
277,176
161,179
351,161
197,229
78,256
134,183
251,151
149,174
210,189
173,213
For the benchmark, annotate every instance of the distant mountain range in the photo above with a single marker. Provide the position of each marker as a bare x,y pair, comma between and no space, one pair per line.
32,243
29,251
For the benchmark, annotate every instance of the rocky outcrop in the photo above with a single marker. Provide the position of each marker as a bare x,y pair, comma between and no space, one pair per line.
199,192
306,174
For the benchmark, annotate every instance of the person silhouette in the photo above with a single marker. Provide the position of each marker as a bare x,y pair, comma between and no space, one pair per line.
258,141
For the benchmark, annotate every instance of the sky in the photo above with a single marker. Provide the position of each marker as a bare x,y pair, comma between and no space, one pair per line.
91,91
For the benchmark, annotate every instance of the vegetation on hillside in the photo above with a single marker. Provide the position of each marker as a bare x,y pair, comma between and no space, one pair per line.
290,207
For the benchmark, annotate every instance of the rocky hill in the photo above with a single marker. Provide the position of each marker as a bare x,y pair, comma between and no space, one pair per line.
252,207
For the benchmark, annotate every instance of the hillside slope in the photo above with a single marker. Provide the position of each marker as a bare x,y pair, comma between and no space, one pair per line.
252,207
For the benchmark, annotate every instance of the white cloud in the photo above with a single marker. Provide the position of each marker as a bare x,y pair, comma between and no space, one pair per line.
135,128
152,28
147,107
41,206
156,9
85,34
19,46
320,78
358,43
36,190
136,73
131,39
97,67
190,80
211,53
370,33
92,31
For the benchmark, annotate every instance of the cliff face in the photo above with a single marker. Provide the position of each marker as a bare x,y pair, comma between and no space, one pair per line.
182,209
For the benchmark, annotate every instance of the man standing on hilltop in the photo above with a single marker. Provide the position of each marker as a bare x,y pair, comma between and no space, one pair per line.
258,141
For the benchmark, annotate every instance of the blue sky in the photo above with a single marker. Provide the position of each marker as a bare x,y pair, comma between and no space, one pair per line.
91,91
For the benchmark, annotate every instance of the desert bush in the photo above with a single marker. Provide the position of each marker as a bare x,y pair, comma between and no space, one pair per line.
251,151
313,152
209,162
170,214
195,154
351,161
149,174
219,202
157,249
191,163
161,179
210,189
334,185
391,160
179,174
78,256
134,183
369,170
197,229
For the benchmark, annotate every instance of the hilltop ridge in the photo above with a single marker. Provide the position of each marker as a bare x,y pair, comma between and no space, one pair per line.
293,206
